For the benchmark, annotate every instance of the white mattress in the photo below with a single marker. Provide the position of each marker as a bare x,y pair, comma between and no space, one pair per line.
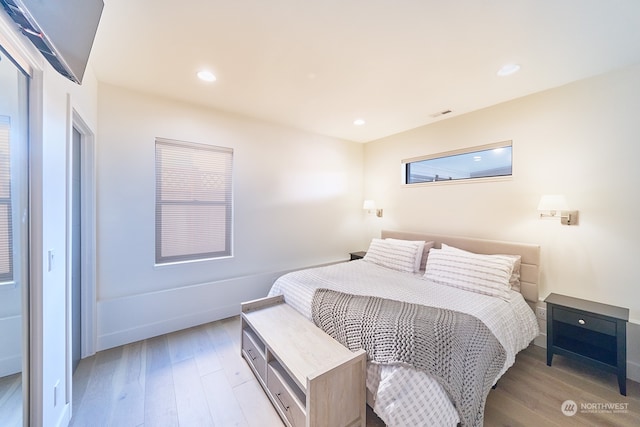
404,396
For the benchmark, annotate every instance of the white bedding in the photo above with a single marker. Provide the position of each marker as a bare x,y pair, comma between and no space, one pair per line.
404,396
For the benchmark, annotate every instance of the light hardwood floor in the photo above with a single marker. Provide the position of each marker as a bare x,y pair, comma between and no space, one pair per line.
197,378
11,401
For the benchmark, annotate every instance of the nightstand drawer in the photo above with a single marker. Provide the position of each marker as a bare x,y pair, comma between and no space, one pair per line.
584,321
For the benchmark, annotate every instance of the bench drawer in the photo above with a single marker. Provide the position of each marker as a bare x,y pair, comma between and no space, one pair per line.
285,396
254,352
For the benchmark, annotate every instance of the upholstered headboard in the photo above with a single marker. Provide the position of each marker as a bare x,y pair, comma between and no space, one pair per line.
529,253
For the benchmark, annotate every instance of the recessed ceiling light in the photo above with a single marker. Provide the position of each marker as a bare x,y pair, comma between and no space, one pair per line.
508,69
206,76
359,122
477,158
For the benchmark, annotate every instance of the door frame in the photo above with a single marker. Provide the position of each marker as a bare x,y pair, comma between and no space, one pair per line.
87,239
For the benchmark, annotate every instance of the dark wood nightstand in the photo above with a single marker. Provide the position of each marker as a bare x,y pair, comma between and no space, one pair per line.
592,332
357,255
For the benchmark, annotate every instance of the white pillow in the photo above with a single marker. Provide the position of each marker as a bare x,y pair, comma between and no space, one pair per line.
483,274
514,280
425,250
395,255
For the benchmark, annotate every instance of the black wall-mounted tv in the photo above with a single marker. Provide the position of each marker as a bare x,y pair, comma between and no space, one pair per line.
63,30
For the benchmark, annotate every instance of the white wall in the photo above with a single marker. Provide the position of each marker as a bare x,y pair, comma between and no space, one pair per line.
297,202
580,140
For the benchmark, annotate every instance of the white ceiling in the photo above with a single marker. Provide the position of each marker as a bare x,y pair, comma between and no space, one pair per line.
319,64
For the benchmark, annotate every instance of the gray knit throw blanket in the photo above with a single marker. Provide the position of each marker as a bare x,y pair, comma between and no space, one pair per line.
455,348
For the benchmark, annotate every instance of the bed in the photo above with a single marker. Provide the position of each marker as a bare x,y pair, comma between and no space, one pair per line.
399,393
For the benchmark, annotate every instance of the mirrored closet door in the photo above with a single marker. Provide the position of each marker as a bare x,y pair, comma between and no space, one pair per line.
14,240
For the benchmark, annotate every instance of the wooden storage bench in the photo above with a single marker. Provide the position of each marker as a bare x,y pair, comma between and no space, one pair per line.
311,379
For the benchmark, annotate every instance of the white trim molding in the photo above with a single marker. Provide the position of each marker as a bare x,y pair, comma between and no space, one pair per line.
137,317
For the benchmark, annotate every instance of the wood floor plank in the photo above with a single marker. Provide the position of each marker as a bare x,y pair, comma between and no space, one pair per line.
98,398
81,378
160,400
11,400
544,396
256,406
223,405
502,409
129,387
204,351
235,368
180,347
232,325
191,402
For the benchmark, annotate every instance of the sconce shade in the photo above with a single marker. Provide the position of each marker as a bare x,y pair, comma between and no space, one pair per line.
553,202
369,205
555,206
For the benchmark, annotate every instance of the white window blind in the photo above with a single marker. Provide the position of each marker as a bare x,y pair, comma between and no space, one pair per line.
6,229
193,201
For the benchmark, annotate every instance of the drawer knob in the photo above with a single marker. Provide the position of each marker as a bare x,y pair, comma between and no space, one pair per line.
581,321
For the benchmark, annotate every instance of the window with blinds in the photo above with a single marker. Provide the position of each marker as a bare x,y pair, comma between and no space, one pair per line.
6,228
193,201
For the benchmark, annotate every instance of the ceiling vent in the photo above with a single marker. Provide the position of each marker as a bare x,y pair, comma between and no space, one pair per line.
440,113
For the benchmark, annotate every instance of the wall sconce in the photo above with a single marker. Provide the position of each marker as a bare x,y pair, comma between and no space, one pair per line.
555,206
370,207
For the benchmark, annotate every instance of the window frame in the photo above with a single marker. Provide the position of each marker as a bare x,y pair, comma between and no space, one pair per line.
227,203
406,162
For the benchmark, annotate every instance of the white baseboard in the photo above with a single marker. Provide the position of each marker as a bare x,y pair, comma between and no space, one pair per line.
541,340
633,371
164,326
10,365
134,318
11,349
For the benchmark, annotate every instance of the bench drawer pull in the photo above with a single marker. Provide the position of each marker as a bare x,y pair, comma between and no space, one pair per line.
286,407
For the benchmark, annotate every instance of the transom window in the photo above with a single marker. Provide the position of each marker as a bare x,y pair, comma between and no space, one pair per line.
487,161
193,201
